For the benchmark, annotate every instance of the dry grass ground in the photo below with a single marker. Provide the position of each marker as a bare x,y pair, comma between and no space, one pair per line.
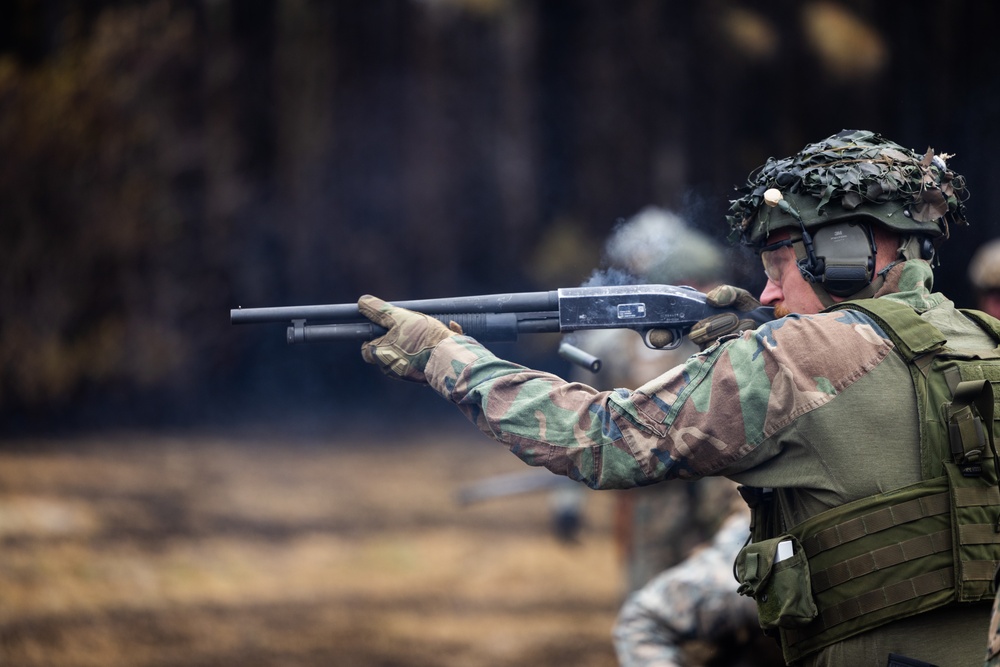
149,550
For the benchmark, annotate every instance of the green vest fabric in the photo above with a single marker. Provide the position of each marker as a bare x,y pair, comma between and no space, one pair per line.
856,567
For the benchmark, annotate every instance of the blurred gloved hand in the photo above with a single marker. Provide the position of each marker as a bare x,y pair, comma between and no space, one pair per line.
404,350
710,329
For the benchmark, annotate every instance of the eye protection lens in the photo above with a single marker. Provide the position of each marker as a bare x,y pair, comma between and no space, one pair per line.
774,258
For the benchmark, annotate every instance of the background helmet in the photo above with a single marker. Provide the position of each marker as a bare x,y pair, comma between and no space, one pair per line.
658,246
852,175
984,269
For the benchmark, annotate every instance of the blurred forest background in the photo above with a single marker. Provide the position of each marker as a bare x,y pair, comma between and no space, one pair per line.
223,498
164,161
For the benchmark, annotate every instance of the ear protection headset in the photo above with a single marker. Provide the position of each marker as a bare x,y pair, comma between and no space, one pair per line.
839,257
838,260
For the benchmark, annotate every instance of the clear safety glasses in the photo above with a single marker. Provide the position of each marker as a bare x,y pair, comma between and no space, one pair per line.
775,257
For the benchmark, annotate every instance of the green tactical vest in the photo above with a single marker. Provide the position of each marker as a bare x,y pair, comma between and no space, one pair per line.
853,568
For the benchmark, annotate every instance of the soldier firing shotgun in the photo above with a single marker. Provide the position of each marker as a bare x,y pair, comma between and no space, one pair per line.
862,422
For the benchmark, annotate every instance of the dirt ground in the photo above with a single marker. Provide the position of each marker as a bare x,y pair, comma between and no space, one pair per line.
198,550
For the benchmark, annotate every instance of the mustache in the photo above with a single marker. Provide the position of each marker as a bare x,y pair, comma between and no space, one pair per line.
781,311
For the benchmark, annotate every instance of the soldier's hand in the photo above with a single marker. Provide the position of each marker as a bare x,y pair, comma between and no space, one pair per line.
405,348
710,329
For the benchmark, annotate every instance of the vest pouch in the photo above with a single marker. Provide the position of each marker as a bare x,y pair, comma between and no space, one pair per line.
775,573
976,542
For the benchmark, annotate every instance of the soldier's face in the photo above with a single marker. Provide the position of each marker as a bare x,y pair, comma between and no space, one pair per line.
786,289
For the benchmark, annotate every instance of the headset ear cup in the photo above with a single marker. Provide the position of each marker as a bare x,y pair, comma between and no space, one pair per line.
926,248
844,253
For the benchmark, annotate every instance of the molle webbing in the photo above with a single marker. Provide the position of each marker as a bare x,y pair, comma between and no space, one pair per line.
880,599
914,549
887,556
880,559
875,560
875,521
895,556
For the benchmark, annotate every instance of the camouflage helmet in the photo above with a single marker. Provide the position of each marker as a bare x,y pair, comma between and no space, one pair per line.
984,269
852,174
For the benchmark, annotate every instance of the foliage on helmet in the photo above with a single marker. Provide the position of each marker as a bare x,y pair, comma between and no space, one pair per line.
861,173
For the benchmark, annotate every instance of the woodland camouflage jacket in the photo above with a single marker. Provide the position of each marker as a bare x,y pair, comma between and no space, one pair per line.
730,410
817,407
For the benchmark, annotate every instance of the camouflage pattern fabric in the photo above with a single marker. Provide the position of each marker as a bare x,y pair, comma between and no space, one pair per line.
993,641
691,613
657,526
403,351
853,173
705,332
816,406
671,426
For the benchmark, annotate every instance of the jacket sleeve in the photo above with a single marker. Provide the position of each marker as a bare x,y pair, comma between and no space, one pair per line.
696,419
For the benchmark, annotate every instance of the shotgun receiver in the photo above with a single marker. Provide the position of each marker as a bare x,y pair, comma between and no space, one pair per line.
661,314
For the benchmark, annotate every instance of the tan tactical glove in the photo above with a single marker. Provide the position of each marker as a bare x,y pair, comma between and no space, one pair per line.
404,350
710,329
